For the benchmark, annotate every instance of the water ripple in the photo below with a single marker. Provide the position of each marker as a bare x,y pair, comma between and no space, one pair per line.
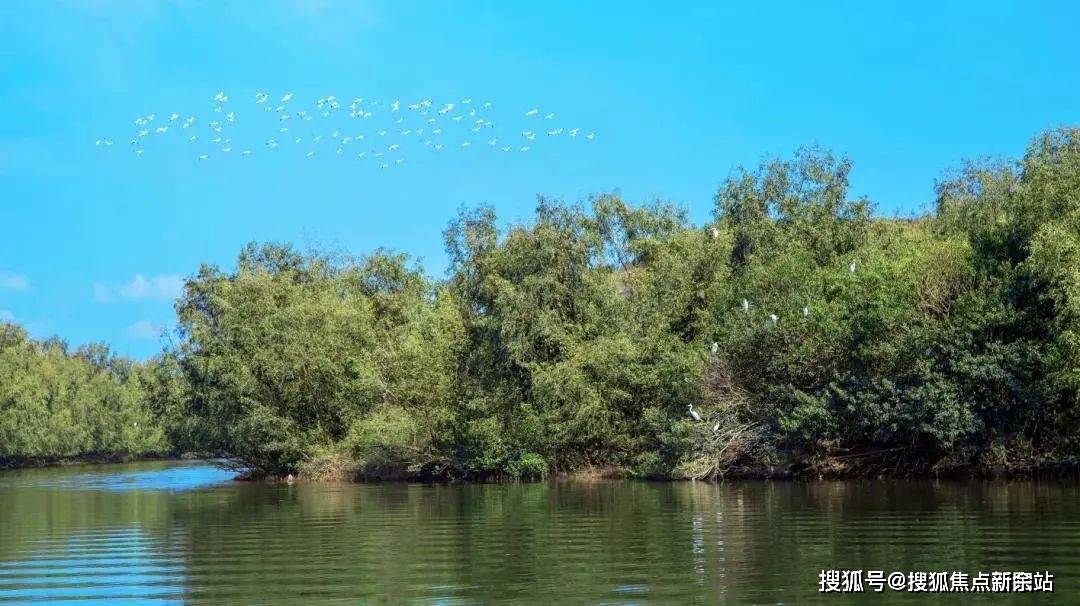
182,533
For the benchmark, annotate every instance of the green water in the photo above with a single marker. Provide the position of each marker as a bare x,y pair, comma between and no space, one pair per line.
153,533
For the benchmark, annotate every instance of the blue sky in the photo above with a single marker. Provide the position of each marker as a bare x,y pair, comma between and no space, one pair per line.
95,243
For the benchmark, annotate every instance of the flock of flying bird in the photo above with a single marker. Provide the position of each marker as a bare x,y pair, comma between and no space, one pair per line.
773,319
367,129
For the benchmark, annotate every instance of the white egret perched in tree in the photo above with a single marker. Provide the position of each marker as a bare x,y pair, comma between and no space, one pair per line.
851,267
693,413
774,319
715,233
745,305
715,348
805,311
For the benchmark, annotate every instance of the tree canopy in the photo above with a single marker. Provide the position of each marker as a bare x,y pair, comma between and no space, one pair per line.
807,331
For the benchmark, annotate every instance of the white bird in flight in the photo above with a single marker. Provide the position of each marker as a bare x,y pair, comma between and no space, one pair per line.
413,118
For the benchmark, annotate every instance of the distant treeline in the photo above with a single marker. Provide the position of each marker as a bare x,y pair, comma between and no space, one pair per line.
808,333
55,404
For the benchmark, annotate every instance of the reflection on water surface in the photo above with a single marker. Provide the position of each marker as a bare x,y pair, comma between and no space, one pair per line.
182,532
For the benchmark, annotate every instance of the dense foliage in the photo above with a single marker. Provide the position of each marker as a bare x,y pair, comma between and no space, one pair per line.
55,404
806,331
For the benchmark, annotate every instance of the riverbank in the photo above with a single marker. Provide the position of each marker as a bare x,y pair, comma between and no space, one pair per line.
851,467
833,468
10,463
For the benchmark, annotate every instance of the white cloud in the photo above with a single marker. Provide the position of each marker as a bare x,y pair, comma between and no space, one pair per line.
12,281
158,287
145,330
162,287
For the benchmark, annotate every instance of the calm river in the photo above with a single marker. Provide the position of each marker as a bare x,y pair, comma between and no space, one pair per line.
150,533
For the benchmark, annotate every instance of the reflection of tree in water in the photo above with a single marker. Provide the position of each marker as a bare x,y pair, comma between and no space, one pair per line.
771,539
81,533
52,504
576,542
